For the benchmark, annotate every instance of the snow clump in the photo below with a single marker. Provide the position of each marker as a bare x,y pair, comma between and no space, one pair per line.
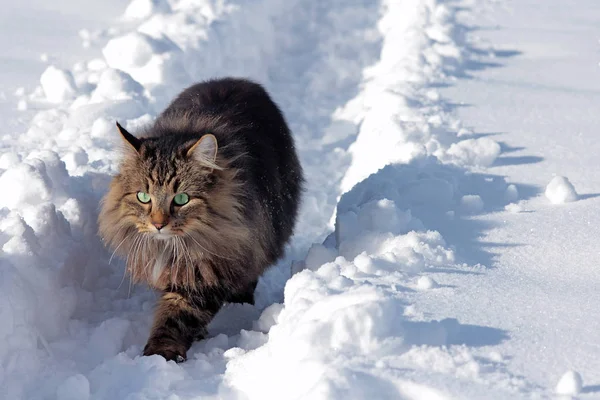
570,384
561,190
58,85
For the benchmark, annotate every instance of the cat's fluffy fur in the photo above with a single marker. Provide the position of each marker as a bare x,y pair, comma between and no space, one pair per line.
227,146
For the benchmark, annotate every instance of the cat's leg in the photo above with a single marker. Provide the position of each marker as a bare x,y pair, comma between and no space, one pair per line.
245,296
179,320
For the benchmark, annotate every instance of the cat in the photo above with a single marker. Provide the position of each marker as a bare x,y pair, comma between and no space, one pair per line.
205,200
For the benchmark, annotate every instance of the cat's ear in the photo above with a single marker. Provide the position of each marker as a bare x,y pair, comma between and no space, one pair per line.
205,151
131,140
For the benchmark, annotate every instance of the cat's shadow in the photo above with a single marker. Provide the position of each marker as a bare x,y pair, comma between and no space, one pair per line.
232,318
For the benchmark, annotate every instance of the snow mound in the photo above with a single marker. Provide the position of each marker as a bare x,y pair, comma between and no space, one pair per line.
471,203
511,194
58,85
480,152
150,61
114,84
141,9
561,190
426,283
37,189
570,384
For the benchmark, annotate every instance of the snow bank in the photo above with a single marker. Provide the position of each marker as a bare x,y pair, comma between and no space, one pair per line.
42,259
401,117
360,279
349,308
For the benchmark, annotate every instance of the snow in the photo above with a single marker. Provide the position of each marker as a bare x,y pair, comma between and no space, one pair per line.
427,263
140,9
58,85
75,387
512,193
570,384
560,190
426,283
479,152
471,203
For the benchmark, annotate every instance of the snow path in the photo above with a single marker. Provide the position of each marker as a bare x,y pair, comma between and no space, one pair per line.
396,292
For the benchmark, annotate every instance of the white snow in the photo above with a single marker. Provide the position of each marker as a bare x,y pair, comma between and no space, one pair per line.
514,207
427,263
570,384
140,9
426,283
58,85
560,190
511,193
25,185
480,152
75,387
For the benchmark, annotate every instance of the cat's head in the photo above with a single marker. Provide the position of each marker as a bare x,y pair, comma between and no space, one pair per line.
174,190
163,183
176,203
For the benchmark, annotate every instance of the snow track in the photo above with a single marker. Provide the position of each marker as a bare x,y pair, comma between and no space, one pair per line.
394,184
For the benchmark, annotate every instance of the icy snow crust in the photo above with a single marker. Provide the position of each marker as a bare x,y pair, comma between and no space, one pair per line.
390,170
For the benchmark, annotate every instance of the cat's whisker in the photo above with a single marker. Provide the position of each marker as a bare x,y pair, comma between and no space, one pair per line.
185,253
185,246
129,289
140,252
186,258
117,248
140,245
189,263
205,249
137,239
175,261
127,263
131,264
124,269
164,257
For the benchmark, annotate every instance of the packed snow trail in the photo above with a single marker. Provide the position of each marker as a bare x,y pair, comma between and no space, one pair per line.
388,241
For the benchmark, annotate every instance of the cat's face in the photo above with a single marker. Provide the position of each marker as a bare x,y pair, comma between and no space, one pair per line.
173,204
164,197
163,186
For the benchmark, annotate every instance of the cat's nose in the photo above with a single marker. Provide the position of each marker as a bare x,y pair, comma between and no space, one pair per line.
159,220
158,225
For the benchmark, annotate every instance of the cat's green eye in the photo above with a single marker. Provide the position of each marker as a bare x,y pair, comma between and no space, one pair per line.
181,199
143,197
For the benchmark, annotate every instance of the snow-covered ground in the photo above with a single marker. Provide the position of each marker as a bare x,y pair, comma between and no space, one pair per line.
445,248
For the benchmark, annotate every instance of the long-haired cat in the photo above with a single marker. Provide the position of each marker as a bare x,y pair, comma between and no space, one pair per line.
205,200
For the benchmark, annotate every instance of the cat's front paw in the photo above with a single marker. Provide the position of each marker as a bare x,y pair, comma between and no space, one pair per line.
166,348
